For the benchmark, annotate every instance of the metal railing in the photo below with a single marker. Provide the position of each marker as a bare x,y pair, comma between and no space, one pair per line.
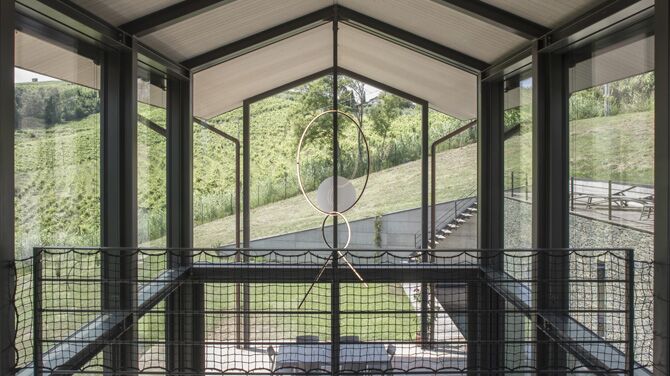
517,185
452,212
392,325
612,197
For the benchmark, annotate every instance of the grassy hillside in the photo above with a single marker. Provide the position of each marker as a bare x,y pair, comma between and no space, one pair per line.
399,187
58,165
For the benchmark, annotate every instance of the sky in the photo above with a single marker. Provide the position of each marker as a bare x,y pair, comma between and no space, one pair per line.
22,75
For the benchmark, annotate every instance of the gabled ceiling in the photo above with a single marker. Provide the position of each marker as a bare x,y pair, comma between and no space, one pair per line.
118,12
435,20
479,31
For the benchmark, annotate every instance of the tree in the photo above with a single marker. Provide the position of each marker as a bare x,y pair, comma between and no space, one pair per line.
386,109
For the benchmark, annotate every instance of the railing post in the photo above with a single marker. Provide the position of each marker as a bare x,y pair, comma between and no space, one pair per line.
601,277
335,316
609,201
526,187
37,311
572,193
630,311
424,307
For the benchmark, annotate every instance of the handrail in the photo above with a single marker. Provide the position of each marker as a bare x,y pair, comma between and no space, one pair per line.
151,125
225,135
433,147
245,288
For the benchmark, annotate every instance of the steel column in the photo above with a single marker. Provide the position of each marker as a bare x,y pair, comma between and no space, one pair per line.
7,312
491,333
490,175
550,193
119,197
182,328
335,282
246,208
662,191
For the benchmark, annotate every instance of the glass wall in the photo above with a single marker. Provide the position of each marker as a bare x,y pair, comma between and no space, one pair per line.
214,163
518,161
611,154
517,206
455,159
57,146
390,133
57,164
151,159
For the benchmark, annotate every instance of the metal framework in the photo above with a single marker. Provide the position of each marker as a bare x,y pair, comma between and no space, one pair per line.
286,270
662,180
121,52
496,16
169,16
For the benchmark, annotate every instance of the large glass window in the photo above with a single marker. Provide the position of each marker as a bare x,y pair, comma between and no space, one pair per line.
151,159
57,146
215,160
611,147
517,163
57,163
517,206
455,190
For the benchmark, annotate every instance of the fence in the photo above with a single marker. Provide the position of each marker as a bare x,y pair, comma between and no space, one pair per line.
421,312
612,197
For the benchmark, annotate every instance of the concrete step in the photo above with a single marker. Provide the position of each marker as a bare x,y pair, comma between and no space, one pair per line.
458,220
466,215
445,231
440,237
452,226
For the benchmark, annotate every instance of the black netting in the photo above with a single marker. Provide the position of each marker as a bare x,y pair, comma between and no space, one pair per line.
257,311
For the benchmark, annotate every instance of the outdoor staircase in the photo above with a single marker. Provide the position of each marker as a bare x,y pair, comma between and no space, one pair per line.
460,217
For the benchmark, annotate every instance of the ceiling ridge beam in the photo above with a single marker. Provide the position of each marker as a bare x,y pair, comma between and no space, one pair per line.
408,39
263,38
495,16
171,15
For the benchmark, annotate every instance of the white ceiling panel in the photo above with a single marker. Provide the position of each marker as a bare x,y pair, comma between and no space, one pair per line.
441,24
39,56
547,13
613,65
223,87
446,88
118,12
226,24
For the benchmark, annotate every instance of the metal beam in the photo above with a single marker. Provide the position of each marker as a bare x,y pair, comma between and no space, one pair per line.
359,20
412,41
497,17
262,39
382,86
603,16
76,20
151,125
273,273
590,25
171,15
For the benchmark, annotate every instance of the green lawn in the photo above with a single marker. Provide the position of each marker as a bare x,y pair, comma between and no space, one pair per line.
313,318
390,190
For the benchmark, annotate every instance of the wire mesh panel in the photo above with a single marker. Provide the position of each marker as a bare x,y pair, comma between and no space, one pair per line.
187,311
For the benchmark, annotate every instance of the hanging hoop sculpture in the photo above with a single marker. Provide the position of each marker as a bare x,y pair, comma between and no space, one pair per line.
324,193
